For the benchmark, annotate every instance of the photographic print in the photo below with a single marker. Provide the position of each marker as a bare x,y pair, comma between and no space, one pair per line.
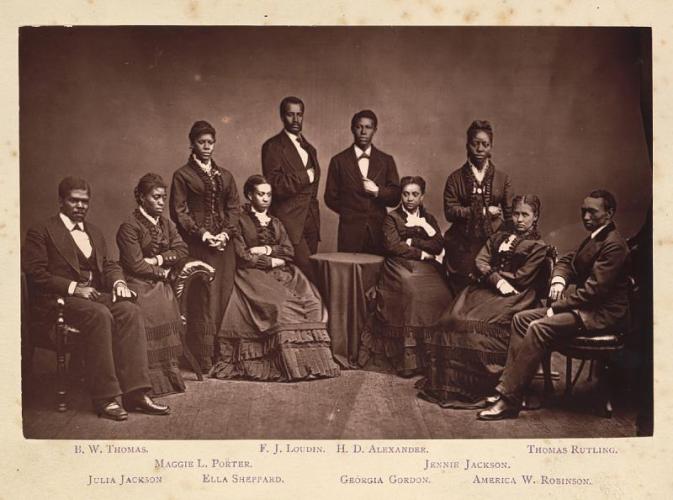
240,232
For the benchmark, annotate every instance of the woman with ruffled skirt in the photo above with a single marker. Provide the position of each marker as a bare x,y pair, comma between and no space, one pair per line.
149,247
412,292
468,348
275,325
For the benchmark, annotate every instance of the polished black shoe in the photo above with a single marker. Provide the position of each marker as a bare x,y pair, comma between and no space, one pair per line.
499,411
111,410
144,404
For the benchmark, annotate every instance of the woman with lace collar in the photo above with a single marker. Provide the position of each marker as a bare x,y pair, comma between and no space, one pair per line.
275,325
411,293
468,348
476,203
149,247
205,206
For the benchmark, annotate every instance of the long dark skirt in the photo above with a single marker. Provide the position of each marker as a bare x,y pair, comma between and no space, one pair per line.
274,329
410,297
468,349
207,301
163,326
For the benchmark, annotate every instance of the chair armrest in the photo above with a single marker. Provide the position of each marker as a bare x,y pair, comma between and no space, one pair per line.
182,277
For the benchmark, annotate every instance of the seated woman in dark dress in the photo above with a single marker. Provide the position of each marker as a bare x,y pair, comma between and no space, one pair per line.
412,292
149,246
275,325
468,350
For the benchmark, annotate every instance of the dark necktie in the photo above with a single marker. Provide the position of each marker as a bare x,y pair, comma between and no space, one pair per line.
363,156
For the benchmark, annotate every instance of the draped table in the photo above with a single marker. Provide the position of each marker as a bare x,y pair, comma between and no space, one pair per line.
343,280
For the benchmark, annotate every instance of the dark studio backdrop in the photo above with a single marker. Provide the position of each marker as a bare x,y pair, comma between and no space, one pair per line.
111,104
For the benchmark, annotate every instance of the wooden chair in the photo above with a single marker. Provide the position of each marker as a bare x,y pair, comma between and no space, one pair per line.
39,329
600,350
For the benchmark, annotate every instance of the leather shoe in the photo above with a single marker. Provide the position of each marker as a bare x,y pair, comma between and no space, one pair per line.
493,399
112,411
144,404
499,411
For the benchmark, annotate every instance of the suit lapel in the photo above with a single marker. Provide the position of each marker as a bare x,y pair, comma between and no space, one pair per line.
63,242
587,251
375,164
290,152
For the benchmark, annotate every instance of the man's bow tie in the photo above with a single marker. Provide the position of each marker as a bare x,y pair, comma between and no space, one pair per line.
363,156
78,227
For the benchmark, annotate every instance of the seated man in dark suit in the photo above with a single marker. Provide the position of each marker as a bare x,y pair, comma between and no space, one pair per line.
361,182
64,256
589,293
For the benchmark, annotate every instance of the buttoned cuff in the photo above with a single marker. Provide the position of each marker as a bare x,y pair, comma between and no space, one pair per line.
160,260
558,279
500,283
71,287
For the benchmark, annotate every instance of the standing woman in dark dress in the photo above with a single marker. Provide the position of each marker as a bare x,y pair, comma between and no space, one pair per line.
411,293
149,246
468,349
476,202
205,207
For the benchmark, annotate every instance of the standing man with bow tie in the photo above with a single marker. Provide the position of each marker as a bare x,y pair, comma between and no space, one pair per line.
290,164
66,257
361,182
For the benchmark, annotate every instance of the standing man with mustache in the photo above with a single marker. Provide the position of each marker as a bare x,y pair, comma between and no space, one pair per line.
361,182
290,164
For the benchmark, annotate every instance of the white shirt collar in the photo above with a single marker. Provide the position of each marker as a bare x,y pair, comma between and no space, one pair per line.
293,137
358,151
595,233
262,217
409,214
205,166
153,220
69,224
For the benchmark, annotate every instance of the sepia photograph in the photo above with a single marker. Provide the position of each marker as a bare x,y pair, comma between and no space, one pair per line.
243,232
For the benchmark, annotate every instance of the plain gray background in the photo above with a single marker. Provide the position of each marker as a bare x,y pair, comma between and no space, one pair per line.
111,104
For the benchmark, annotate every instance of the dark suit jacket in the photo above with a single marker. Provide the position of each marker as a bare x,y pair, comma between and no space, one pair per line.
597,281
358,210
294,199
50,259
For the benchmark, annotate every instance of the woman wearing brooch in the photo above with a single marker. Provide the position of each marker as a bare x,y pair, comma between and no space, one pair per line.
275,326
476,202
204,204
149,246
412,292
468,349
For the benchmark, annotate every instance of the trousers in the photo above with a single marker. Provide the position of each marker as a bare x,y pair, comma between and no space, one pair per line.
533,333
115,345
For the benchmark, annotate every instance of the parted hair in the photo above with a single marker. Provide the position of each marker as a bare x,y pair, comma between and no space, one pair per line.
413,179
251,183
146,184
69,183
